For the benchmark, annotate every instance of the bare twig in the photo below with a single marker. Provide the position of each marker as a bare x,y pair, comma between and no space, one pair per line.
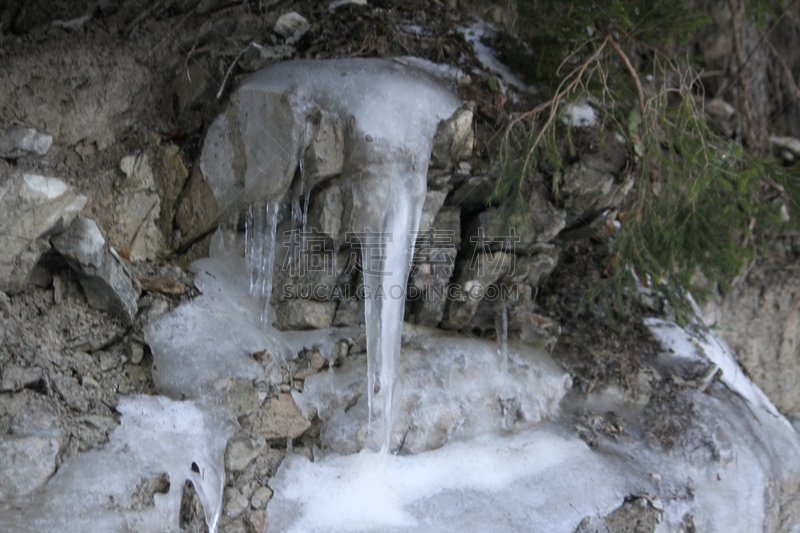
228,73
627,62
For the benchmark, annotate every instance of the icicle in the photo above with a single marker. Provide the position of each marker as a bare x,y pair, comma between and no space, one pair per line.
289,444
271,229
249,242
502,333
305,221
386,258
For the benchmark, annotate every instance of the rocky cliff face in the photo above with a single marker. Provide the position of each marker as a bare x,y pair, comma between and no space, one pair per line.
134,142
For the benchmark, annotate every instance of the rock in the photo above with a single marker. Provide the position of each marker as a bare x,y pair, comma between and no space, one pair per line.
473,193
235,504
433,203
304,314
434,265
197,211
280,418
260,498
325,214
163,285
350,312
170,175
472,283
454,139
17,377
292,26
257,56
104,279
190,85
720,109
136,211
532,269
340,3
26,463
324,156
790,144
17,142
82,243
257,519
71,391
591,185
241,451
136,352
32,207
241,396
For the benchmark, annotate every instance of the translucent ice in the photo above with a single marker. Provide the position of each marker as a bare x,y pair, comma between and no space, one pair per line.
159,441
448,387
538,480
389,111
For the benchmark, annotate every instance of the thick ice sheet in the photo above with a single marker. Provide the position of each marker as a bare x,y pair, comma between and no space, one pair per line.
538,480
94,491
448,387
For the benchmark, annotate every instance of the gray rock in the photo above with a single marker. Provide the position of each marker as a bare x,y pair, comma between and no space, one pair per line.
235,504
304,314
17,377
71,391
789,144
196,214
26,463
260,497
350,312
472,194
324,156
280,418
17,142
592,185
137,208
257,56
242,450
241,396
434,265
292,26
32,207
336,4
105,280
433,203
472,281
454,139
532,269
325,214
82,243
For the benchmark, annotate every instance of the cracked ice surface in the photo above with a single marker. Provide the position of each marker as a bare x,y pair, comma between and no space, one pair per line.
96,491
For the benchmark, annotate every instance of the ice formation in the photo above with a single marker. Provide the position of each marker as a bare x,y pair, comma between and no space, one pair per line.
134,483
449,387
538,480
474,34
389,111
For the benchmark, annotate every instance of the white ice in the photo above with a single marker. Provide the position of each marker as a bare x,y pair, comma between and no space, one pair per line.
488,57
538,480
94,491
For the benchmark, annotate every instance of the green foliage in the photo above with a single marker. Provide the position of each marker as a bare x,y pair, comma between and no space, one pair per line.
553,29
701,203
